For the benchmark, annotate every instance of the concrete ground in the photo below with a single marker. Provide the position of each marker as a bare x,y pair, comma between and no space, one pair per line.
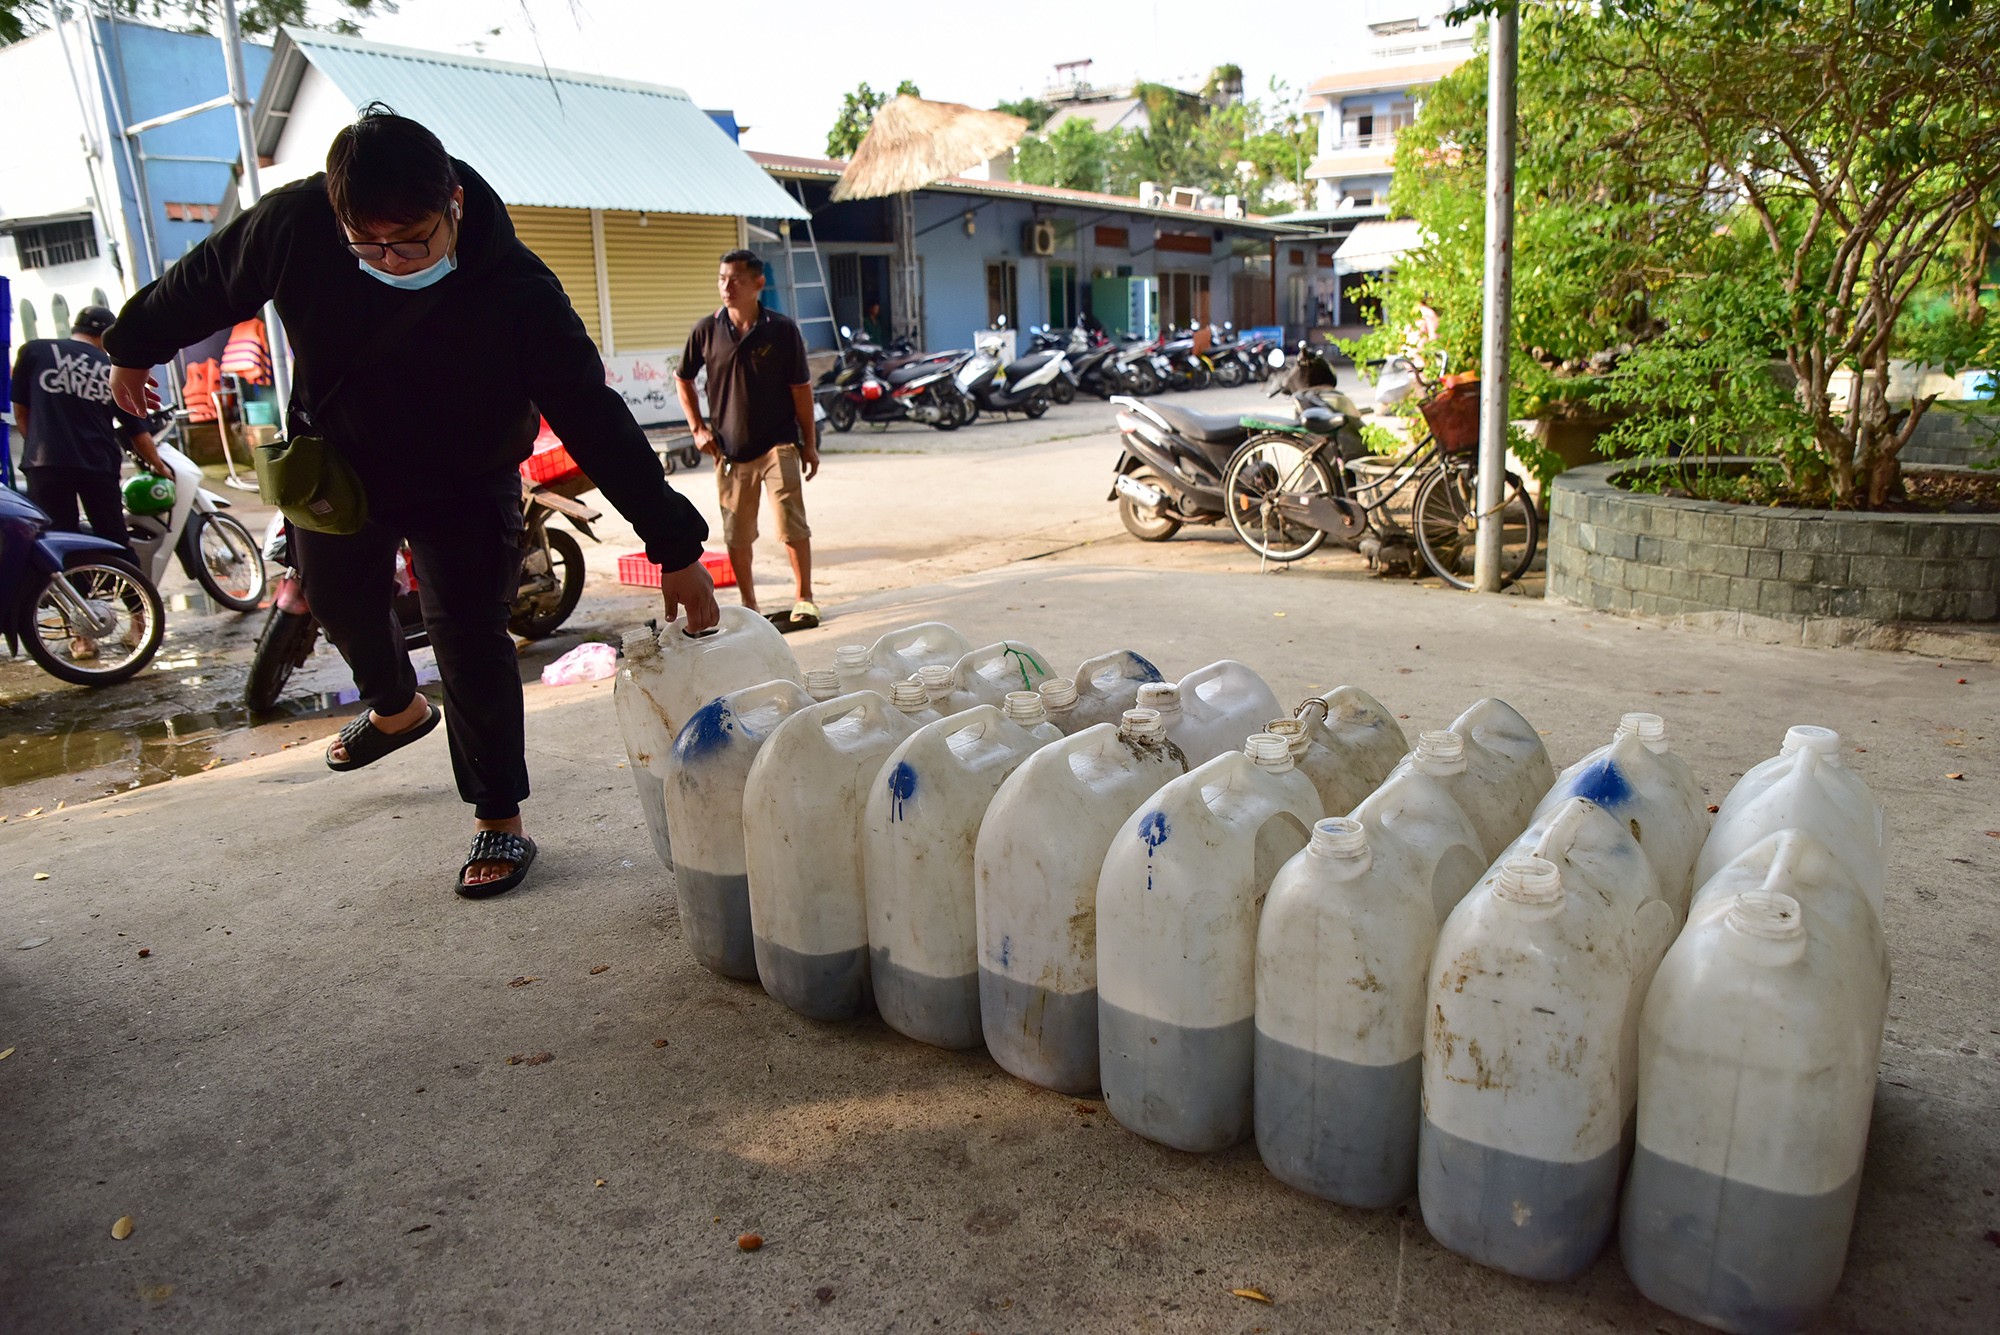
302,1096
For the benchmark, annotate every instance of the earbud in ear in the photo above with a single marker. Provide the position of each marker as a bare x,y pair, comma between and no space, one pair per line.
454,209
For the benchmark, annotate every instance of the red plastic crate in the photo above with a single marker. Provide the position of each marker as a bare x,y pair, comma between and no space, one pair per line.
550,463
634,568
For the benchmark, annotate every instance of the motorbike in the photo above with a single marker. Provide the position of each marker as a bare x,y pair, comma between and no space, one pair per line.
1024,385
1188,366
1230,356
1173,460
214,547
867,384
75,601
551,584
1096,364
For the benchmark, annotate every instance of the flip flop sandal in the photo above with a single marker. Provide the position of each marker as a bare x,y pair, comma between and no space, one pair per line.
367,743
516,850
787,622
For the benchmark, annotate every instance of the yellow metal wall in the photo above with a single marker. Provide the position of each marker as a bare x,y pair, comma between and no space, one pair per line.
662,274
561,237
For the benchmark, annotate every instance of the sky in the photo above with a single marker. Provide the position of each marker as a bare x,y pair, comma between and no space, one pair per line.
782,65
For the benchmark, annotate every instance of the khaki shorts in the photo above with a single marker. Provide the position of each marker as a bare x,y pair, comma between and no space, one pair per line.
738,485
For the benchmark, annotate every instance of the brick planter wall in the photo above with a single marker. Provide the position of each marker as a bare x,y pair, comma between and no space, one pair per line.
1808,575
1960,432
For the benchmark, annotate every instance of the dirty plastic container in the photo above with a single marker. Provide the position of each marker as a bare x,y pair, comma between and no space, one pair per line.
1507,770
939,682
1059,700
1107,686
802,821
912,699
1638,779
1524,1093
1177,908
988,673
901,652
742,650
1346,743
1211,710
648,743
1343,958
823,684
706,774
1440,850
1838,905
1804,787
1756,1080
923,817
853,670
1035,871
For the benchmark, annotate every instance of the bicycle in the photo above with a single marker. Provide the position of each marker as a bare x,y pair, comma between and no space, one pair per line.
1292,485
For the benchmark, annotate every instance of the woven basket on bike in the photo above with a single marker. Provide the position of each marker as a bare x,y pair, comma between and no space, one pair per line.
1453,414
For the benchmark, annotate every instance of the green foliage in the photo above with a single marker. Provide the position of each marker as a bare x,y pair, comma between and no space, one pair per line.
857,113
1030,109
1075,155
19,18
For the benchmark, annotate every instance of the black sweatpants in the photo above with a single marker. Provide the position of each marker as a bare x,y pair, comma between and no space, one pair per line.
466,546
57,488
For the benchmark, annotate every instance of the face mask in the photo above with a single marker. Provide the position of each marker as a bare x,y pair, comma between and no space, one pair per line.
422,278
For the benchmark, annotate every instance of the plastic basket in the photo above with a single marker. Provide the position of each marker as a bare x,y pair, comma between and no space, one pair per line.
1453,415
550,466
634,568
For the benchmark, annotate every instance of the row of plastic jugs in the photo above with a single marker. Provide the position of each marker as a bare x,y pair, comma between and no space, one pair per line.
1337,1122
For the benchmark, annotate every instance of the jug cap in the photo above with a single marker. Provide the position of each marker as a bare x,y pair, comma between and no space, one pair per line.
641,644
1295,733
909,696
1339,837
822,683
1648,728
1269,751
1440,751
1143,725
851,655
1057,693
1806,737
1768,914
1025,707
1529,881
1164,696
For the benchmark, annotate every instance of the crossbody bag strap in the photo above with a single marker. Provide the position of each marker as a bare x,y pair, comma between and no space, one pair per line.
379,342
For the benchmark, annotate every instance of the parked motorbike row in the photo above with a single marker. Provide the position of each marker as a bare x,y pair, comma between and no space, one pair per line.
946,390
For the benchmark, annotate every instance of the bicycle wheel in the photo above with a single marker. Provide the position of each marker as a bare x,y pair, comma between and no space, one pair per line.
229,565
1257,473
1445,516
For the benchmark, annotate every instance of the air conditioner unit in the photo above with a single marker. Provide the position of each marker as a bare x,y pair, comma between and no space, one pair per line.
1038,238
1232,206
1150,195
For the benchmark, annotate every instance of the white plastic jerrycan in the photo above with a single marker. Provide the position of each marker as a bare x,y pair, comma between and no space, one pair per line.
1434,839
1035,871
987,674
1524,1092
706,774
1756,1079
1177,907
1212,710
923,818
822,683
901,652
854,671
743,649
1107,686
802,810
1343,958
1804,787
1799,863
1345,742
1638,779
1506,772
648,743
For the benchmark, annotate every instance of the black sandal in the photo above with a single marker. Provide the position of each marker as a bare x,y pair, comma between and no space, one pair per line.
367,743
516,850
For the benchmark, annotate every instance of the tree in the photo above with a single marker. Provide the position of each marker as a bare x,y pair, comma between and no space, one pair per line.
1075,155
857,113
18,18
1030,109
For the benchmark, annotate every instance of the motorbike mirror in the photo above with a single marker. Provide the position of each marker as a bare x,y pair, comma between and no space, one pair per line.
845,332
1277,358
1000,323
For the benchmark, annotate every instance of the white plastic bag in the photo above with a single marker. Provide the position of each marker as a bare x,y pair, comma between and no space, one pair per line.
586,662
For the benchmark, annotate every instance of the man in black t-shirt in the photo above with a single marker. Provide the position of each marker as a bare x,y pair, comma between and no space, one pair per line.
74,441
759,428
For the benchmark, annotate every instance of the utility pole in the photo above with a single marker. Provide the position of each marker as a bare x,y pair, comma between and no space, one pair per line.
1503,33
246,138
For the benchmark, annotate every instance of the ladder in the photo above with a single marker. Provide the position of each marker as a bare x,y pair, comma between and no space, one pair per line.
793,253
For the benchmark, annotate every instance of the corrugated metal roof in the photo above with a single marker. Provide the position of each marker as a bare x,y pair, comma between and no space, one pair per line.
1374,246
553,137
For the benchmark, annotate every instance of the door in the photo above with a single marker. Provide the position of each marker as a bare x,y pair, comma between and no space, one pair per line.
1003,295
1062,295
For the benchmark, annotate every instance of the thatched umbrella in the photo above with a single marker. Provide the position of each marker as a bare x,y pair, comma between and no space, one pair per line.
912,143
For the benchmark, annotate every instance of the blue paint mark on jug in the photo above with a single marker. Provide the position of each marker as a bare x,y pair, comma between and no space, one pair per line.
1154,829
705,733
1603,784
1152,673
902,787
1006,950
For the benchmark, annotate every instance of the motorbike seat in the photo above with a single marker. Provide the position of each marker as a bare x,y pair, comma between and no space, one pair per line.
1319,419
1213,428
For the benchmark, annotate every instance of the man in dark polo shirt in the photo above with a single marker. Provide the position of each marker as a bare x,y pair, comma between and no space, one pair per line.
759,427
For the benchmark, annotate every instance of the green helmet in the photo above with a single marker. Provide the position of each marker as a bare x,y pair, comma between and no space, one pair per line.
149,494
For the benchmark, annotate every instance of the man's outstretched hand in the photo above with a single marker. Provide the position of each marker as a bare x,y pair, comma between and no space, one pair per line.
692,591
132,390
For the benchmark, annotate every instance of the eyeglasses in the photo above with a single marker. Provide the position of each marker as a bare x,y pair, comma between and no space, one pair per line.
402,250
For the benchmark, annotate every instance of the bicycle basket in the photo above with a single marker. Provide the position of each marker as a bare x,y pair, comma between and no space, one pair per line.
1453,415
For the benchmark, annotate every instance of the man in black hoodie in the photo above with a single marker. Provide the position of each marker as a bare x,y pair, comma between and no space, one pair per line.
436,418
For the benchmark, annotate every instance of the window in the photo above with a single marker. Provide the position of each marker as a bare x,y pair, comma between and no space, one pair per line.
1002,294
193,212
1401,116
1361,199
1062,295
56,243
1184,299
1114,238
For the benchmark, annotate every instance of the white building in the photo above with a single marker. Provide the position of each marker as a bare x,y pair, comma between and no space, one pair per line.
1365,103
